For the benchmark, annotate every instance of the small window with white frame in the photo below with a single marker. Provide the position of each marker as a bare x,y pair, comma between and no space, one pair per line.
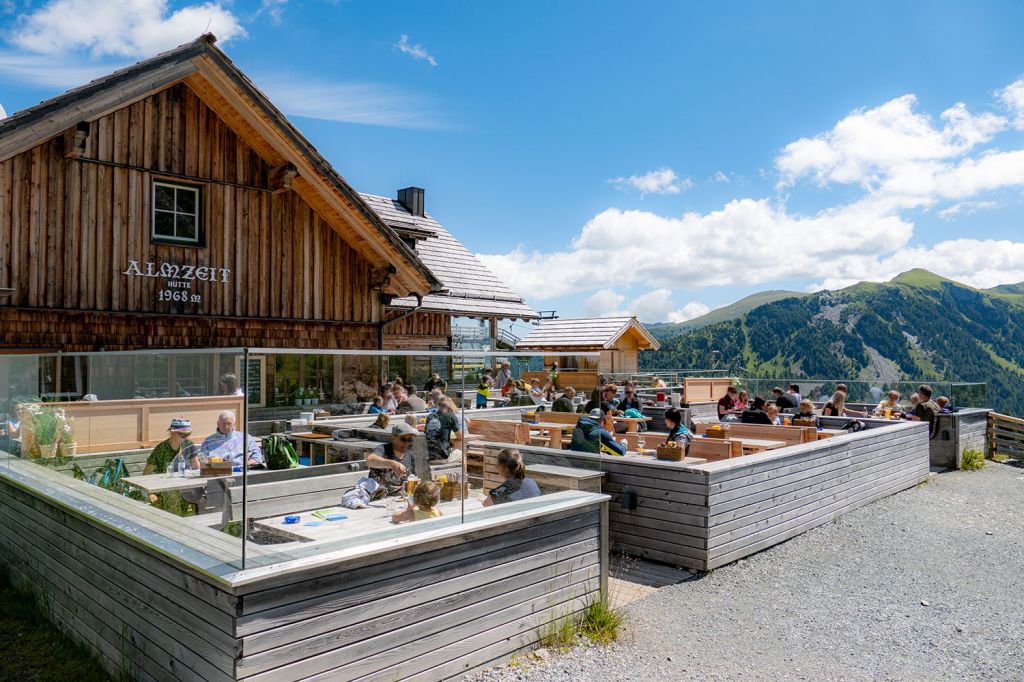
176,213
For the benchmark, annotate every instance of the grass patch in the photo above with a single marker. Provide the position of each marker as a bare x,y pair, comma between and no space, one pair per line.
972,460
999,457
34,649
601,622
560,633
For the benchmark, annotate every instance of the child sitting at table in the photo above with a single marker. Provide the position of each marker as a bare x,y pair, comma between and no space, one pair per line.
423,506
773,414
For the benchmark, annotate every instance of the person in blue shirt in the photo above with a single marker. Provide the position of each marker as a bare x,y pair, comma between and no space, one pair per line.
226,443
377,406
593,433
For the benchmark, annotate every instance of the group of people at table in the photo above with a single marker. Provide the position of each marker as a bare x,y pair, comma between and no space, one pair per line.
790,405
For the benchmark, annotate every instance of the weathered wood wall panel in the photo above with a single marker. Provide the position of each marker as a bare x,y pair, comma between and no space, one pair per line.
419,331
70,226
780,494
82,331
707,515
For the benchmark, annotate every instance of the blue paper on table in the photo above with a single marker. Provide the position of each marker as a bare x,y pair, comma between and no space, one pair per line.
312,523
336,516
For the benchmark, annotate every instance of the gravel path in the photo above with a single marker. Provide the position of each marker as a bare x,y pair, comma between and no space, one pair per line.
924,585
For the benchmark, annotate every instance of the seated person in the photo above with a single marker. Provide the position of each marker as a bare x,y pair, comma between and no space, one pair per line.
390,403
806,411
413,403
441,429
177,443
226,443
593,433
785,401
389,464
423,506
435,381
836,407
756,414
908,412
536,392
773,414
606,394
399,394
658,382
891,403
434,401
509,388
630,400
516,485
926,409
727,404
945,406
376,406
742,402
676,431
564,402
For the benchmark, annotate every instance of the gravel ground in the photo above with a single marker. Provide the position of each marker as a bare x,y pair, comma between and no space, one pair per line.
924,585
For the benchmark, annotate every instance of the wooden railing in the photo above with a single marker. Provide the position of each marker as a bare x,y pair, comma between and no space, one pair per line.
1005,436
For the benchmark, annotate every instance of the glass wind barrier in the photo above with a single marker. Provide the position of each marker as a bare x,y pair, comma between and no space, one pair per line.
127,437
240,458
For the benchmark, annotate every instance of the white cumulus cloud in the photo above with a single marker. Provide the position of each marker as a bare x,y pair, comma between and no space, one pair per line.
416,51
603,303
902,159
1012,97
661,181
119,28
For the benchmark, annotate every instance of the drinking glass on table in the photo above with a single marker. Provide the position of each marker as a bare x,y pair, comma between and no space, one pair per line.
641,443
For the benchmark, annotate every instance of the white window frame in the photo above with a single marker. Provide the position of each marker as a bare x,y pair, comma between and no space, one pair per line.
176,186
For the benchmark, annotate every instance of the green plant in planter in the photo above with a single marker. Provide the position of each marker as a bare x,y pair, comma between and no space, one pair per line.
45,426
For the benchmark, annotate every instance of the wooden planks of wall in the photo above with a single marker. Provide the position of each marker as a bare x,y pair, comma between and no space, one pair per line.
68,227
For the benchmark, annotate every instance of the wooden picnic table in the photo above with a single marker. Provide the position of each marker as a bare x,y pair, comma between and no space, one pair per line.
632,423
374,518
555,432
829,433
153,484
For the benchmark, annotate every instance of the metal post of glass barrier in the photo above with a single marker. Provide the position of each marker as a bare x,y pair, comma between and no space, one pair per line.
245,448
463,484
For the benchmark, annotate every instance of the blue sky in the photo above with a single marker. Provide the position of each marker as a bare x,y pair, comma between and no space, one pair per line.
656,158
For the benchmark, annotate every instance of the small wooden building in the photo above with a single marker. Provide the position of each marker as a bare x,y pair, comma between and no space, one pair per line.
170,204
619,341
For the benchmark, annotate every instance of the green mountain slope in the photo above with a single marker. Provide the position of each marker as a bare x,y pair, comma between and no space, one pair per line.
732,311
918,326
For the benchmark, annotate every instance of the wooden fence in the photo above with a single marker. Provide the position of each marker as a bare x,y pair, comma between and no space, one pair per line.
1005,436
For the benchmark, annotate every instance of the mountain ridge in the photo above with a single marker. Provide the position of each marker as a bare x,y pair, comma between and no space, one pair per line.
917,326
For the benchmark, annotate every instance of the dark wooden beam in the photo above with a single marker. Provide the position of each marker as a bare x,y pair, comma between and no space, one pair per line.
75,140
281,178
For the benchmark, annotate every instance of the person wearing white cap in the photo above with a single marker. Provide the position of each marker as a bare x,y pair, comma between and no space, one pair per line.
389,464
177,442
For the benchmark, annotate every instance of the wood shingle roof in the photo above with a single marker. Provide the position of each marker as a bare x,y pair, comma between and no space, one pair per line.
590,333
471,289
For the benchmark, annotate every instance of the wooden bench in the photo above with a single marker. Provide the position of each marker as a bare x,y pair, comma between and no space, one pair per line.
216,489
791,435
549,477
581,381
714,449
288,496
496,432
699,390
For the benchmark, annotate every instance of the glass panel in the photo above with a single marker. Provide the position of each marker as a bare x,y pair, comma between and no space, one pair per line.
186,200
186,227
163,224
164,197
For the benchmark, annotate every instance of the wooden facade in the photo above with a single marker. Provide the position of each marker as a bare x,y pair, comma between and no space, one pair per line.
282,243
420,331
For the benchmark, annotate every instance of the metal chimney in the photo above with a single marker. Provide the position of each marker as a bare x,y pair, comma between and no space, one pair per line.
412,199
